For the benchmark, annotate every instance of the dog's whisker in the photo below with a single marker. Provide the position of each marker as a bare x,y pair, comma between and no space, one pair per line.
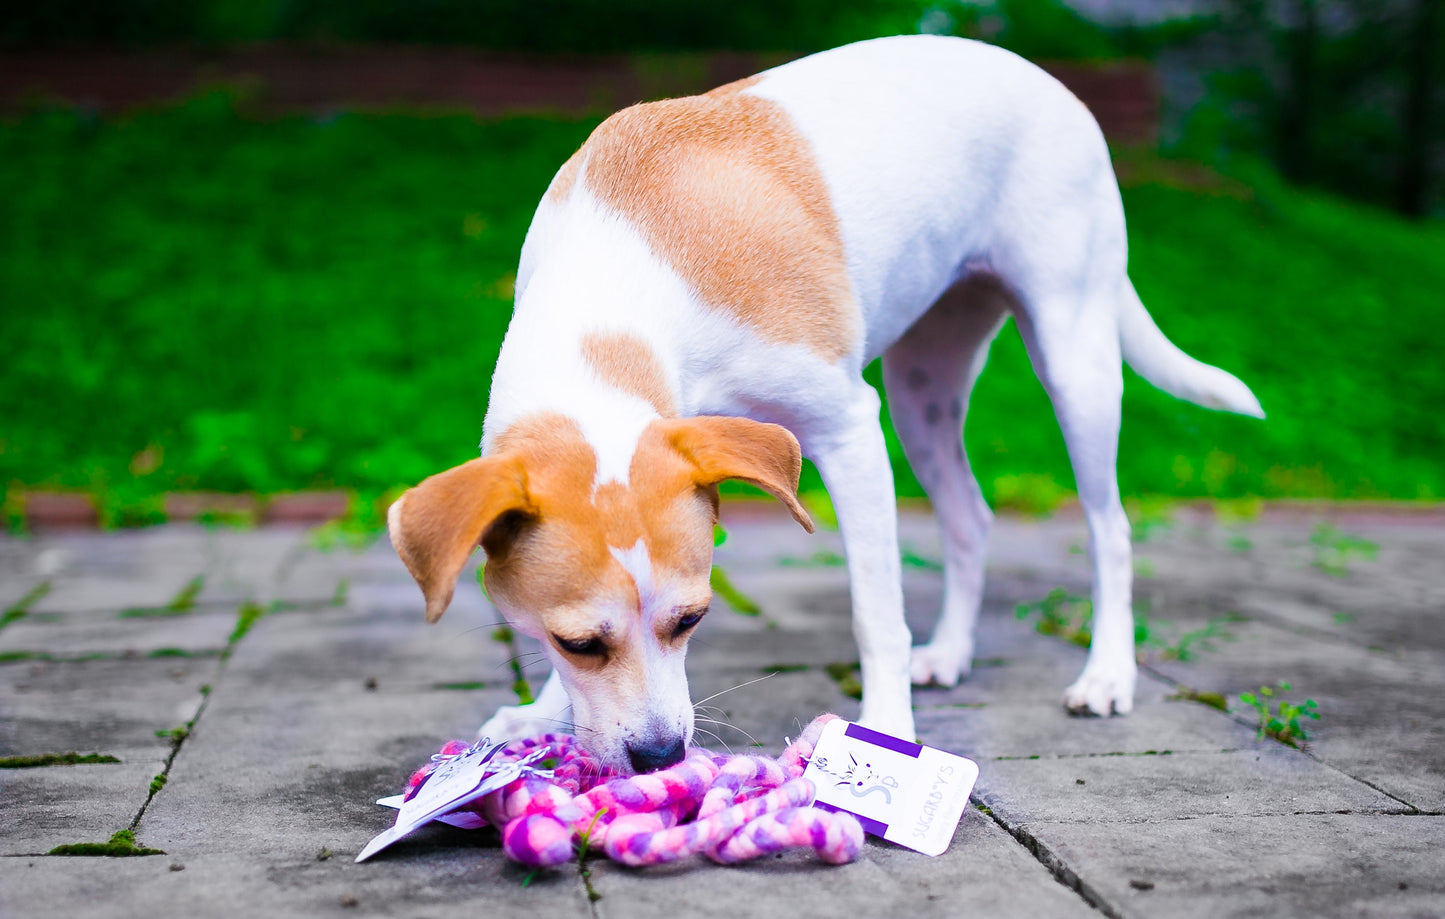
766,676
717,738
732,727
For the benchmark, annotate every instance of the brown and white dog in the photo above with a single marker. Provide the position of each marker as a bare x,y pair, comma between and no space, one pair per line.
698,295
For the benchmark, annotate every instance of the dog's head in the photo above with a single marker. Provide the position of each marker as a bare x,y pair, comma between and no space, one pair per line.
612,577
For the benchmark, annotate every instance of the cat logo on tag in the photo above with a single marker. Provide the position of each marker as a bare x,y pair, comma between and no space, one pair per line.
904,792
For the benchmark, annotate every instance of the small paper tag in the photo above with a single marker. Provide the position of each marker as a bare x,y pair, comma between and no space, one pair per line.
902,791
456,782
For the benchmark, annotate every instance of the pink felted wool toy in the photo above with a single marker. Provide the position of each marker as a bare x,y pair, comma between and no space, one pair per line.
729,808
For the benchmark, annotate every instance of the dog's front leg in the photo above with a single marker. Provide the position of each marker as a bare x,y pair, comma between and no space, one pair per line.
550,713
853,460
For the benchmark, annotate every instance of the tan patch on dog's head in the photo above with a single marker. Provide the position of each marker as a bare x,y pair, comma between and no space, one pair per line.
628,363
549,531
724,188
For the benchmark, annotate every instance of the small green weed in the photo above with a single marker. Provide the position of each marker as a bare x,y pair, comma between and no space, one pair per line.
739,601
848,678
343,589
1239,544
175,735
462,687
121,845
719,535
503,634
823,558
1211,699
584,842
247,616
185,599
1061,615
1281,722
1334,550
158,783
21,608
912,559
785,668
54,759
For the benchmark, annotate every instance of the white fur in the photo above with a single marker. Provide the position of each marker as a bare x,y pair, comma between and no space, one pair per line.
945,160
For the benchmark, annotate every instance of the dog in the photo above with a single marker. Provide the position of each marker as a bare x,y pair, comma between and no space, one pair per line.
697,296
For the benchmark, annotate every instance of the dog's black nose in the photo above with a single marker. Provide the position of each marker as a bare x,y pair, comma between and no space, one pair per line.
650,757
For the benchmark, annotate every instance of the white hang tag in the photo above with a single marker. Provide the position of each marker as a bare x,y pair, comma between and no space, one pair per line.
902,791
464,819
458,781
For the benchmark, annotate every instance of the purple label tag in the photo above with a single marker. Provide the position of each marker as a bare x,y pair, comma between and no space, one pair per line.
886,741
870,826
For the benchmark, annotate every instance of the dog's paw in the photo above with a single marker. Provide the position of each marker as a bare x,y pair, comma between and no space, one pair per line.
514,722
936,665
1102,691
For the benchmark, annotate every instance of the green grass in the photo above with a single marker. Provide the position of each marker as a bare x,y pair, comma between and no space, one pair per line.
196,299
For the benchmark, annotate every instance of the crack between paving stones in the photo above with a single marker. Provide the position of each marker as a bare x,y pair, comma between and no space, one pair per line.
1261,815
1303,752
1054,756
247,616
1055,865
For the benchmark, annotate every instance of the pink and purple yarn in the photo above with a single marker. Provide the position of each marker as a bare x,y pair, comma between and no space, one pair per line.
729,808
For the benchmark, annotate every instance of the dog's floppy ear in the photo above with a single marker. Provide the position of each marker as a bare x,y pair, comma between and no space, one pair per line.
436,525
765,455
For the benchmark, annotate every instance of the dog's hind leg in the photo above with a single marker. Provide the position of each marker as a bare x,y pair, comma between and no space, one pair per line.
929,374
1073,341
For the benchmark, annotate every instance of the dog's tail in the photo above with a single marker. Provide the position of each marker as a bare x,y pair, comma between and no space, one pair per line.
1158,360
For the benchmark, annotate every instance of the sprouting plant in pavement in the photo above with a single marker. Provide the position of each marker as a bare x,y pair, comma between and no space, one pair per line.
185,599
583,843
1280,720
1062,615
1334,550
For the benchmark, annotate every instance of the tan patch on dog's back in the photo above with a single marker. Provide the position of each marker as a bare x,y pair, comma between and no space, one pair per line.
628,363
561,188
724,188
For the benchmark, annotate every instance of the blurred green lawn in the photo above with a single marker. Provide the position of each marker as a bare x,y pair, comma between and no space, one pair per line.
194,299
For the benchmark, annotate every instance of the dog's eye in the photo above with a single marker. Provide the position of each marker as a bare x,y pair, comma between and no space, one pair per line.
688,621
589,647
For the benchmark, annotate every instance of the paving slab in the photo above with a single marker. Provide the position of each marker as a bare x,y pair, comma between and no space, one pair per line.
1343,865
1269,779
984,873
99,706
55,805
109,632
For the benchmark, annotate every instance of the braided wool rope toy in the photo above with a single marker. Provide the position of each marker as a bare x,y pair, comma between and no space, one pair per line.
729,808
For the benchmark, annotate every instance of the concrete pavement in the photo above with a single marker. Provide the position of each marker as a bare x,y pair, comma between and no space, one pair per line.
255,715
